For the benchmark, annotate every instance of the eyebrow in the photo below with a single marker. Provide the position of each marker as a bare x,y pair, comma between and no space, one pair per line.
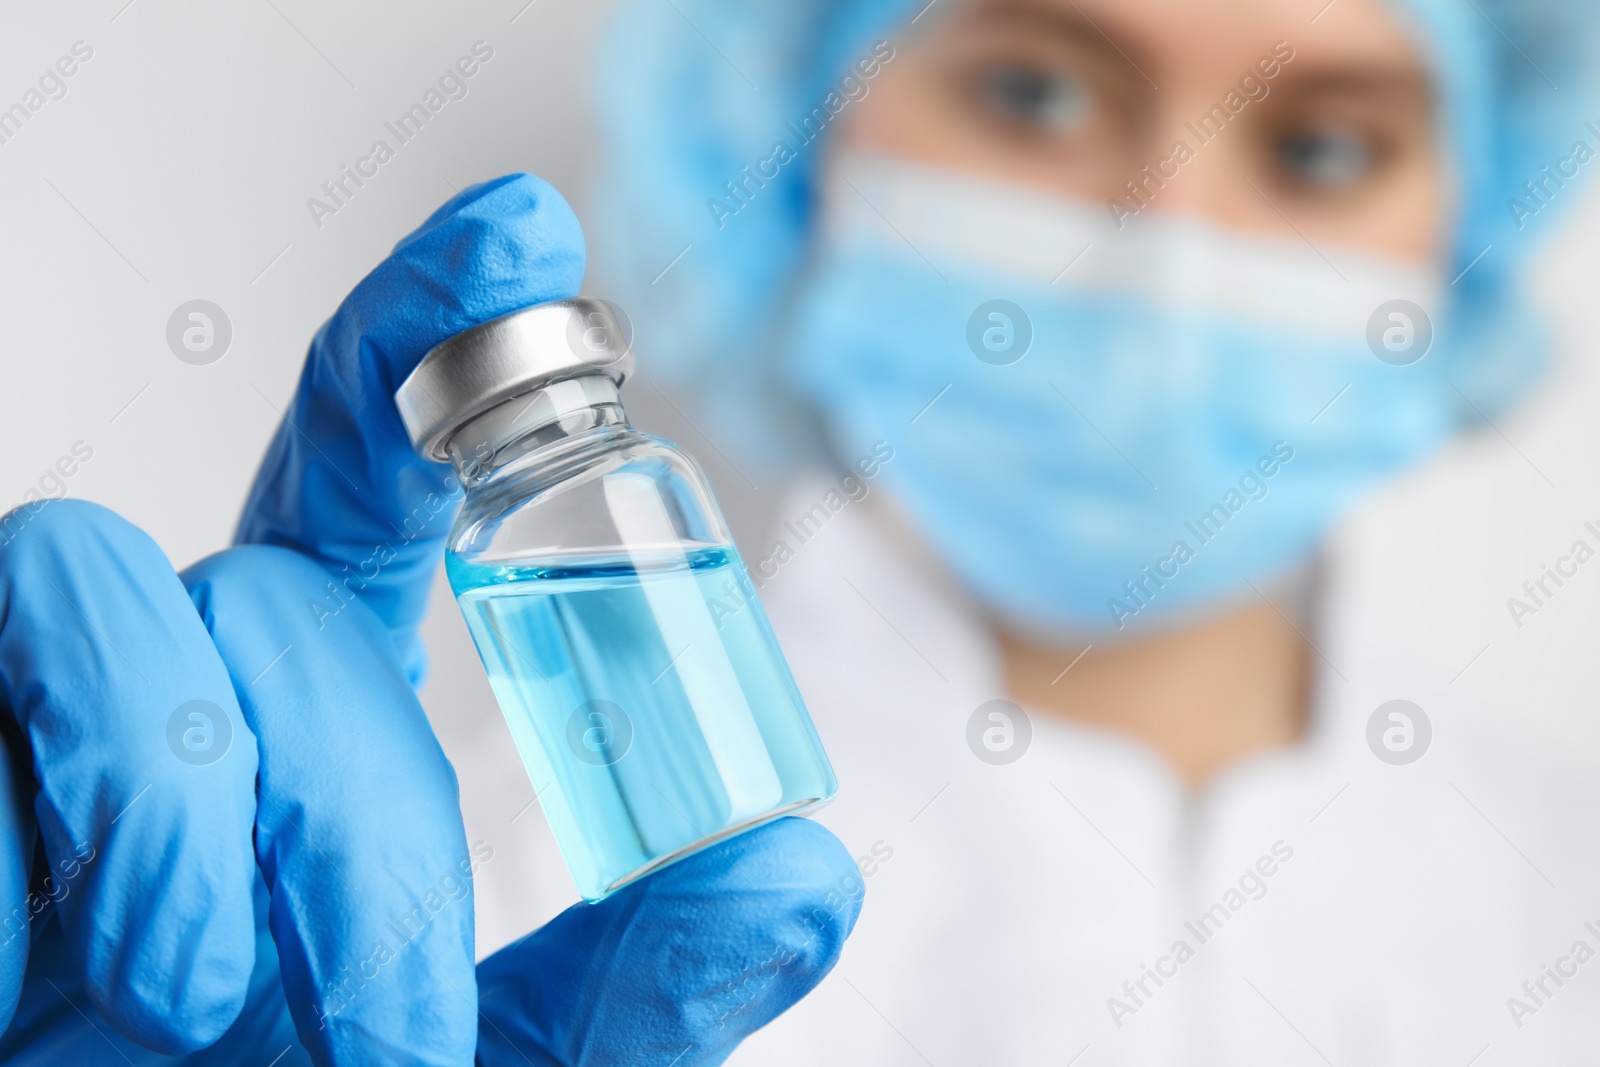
1074,25
1325,76
1360,82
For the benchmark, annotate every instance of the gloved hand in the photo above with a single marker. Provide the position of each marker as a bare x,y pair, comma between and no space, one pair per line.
154,922
195,743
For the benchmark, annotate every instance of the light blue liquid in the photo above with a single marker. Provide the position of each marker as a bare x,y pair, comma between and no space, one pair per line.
649,702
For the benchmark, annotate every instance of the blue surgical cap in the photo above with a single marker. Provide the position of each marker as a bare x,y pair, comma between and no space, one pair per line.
696,93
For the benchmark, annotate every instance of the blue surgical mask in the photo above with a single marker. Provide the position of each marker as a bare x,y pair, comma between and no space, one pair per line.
1100,427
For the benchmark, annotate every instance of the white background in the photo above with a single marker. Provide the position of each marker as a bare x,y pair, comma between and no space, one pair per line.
178,167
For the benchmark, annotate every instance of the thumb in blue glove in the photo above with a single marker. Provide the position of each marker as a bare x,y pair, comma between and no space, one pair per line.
681,966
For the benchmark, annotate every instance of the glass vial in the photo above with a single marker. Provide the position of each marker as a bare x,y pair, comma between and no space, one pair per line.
640,678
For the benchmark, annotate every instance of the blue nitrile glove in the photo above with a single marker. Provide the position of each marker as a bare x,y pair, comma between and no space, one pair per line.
161,928
646,975
181,747
341,482
680,966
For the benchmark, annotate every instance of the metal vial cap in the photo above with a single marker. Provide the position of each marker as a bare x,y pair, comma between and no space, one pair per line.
463,376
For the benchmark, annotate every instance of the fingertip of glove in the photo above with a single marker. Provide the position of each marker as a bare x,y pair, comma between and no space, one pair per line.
806,859
269,578
794,851
770,911
800,886
701,953
490,250
67,524
178,974
521,216
517,192
174,1029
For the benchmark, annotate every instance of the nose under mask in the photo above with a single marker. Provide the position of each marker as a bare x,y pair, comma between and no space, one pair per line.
1102,427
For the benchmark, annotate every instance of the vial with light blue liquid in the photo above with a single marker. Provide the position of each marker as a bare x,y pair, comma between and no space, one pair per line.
640,678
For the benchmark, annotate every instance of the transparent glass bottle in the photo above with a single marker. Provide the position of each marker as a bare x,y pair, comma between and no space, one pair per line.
635,667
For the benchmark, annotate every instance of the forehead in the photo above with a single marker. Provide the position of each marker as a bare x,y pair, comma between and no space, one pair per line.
1179,38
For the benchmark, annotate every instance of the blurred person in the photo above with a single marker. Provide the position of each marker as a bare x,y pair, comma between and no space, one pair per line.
1098,318
1102,317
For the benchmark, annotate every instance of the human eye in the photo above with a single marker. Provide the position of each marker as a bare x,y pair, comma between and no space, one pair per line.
1326,159
1030,96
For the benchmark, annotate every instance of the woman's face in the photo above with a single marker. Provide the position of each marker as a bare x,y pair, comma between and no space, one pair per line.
1306,126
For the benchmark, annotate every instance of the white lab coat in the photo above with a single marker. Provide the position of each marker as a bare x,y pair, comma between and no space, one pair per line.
1415,900
1014,913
